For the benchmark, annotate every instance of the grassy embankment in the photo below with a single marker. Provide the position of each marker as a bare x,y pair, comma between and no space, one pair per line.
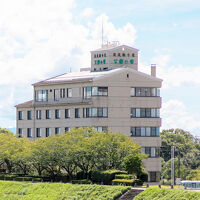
10,190
166,194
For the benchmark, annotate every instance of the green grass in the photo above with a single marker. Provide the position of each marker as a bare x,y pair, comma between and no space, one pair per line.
167,194
10,190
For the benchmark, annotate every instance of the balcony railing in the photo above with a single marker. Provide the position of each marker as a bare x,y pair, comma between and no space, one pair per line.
60,101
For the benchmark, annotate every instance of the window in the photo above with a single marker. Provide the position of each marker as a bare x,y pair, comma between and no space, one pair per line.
94,55
148,112
20,115
95,112
67,129
57,114
114,54
29,132
102,91
69,92
101,128
48,132
153,112
145,131
29,115
153,152
128,55
20,132
38,132
38,114
95,91
88,92
67,113
133,55
133,112
41,95
48,114
137,112
138,131
123,54
104,54
77,113
56,94
62,93
133,131
144,112
57,130
119,54
145,92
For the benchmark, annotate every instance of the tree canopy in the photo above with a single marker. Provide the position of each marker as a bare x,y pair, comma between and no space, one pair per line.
82,149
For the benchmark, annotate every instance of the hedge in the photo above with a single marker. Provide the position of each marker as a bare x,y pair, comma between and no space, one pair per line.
125,182
23,179
124,176
83,181
105,177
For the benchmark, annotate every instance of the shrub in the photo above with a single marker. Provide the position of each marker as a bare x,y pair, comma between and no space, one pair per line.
105,176
83,181
124,176
123,182
81,175
7,177
23,178
138,182
143,177
36,179
62,179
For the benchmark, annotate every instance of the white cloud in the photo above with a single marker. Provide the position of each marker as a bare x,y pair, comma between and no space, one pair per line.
173,76
87,12
38,38
175,115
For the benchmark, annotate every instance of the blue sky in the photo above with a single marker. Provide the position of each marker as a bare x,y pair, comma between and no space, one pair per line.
42,38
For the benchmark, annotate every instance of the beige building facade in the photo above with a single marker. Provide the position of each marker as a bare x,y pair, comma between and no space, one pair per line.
112,95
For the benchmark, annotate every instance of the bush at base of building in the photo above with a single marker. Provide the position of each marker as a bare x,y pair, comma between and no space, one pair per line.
166,194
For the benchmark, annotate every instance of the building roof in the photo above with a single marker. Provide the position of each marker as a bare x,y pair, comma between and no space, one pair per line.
25,104
85,76
110,47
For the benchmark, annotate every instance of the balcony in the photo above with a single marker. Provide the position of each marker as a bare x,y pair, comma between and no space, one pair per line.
63,101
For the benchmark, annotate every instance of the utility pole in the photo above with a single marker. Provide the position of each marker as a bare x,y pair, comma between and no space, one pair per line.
172,167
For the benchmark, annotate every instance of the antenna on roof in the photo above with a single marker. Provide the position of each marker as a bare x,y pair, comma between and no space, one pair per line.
102,33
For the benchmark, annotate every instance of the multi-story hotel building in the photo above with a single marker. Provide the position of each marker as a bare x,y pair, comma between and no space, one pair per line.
111,94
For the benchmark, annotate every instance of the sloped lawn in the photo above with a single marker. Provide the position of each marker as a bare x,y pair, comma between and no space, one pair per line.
167,194
10,190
